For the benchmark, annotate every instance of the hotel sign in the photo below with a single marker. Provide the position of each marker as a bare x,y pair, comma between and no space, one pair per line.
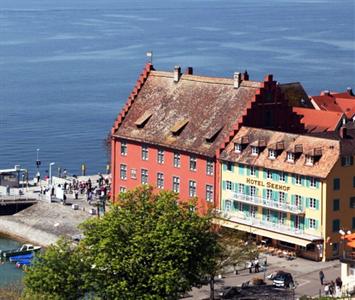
268,184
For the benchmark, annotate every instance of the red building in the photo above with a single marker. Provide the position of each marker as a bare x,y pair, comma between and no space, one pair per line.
174,126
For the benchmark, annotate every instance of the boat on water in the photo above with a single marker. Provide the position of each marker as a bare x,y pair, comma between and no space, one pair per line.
24,249
21,257
23,262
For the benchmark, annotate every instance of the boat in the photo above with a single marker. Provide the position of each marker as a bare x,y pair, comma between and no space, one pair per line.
21,257
24,249
25,262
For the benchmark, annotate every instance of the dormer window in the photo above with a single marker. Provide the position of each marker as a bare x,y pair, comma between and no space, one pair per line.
238,148
290,157
309,160
254,151
272,154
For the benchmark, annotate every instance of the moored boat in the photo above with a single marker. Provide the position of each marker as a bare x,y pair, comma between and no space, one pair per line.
21,257
24,249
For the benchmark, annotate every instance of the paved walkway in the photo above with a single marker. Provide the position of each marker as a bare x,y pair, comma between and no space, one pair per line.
304,272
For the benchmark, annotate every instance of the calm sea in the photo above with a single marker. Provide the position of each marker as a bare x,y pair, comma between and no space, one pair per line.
66,67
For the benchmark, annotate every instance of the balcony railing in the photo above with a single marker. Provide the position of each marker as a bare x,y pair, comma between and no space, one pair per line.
265,202
285,228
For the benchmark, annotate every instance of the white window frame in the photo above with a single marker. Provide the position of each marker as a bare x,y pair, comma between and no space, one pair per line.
160,180
209,192
298,200
193,163
312,223
312,203
145,153
123,172
124,148
177,160
238,148
229,185
312,182
252,191
241,188
269,194
282,197
254,151
133,173
282,219
282,176
271,154
209,167
160,156
144,176
290,157
252,171
192,188
309,160
176,184
298,179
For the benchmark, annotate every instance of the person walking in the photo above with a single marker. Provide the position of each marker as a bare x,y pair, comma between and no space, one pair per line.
321,277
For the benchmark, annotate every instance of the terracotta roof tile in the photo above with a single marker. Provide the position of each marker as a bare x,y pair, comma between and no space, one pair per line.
319,120
330,152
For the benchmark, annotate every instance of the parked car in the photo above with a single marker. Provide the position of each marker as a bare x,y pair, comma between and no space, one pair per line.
283,279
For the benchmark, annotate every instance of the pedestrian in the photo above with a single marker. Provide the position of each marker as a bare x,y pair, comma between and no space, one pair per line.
338,282
321,277
76,193
257,270
326,289
331,288
250,266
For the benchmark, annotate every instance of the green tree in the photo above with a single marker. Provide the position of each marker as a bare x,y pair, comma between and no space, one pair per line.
231,249
147,247
56,274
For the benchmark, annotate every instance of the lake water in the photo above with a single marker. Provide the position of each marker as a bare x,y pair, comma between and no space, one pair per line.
66,67
8,272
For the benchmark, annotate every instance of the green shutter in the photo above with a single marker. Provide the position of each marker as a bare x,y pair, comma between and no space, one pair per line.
306,223
307,202
275,216
264,173
301,223
317,224
302,202
275,195
232,169
232,186
248,171
257,172
308,181
264,193
275,176
224,167
264,214
317,204
286,197
223,184
292,223
293,179
236,187
286,177
302,180
241,169
247,190
317,183
293,199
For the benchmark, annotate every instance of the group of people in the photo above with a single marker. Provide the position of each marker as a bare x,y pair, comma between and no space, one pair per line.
254,264
331,288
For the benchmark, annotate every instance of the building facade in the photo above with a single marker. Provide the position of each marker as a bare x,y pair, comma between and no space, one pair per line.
290,191
173,125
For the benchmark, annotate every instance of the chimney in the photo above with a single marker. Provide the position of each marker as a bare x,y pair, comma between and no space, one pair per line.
269,78
350,91
237,79
245,75
343,132
189,71
177,73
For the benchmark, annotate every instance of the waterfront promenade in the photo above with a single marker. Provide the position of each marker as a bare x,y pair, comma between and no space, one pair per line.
44,222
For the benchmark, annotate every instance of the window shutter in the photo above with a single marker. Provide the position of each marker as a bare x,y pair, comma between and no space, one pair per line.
286,177
308,182
292,221
241,169
257,172
317,183
302,202
264,193
317,204
224,167
247,190
264,173
293,200
264,214
248,171
232,167
302,180
275,176
317,224
307,202
301,223
306,223
293,179
236,187
223,184
275,196
232,184
286,197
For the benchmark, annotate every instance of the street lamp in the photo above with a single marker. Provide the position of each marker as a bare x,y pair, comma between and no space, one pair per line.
50,172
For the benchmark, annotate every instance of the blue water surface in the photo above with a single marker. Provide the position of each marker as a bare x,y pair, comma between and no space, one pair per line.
66,67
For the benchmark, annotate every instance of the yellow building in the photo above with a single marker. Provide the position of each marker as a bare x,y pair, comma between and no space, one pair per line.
290,191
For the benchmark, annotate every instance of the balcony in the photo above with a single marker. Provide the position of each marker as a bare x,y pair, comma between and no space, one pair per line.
264,202
247,219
